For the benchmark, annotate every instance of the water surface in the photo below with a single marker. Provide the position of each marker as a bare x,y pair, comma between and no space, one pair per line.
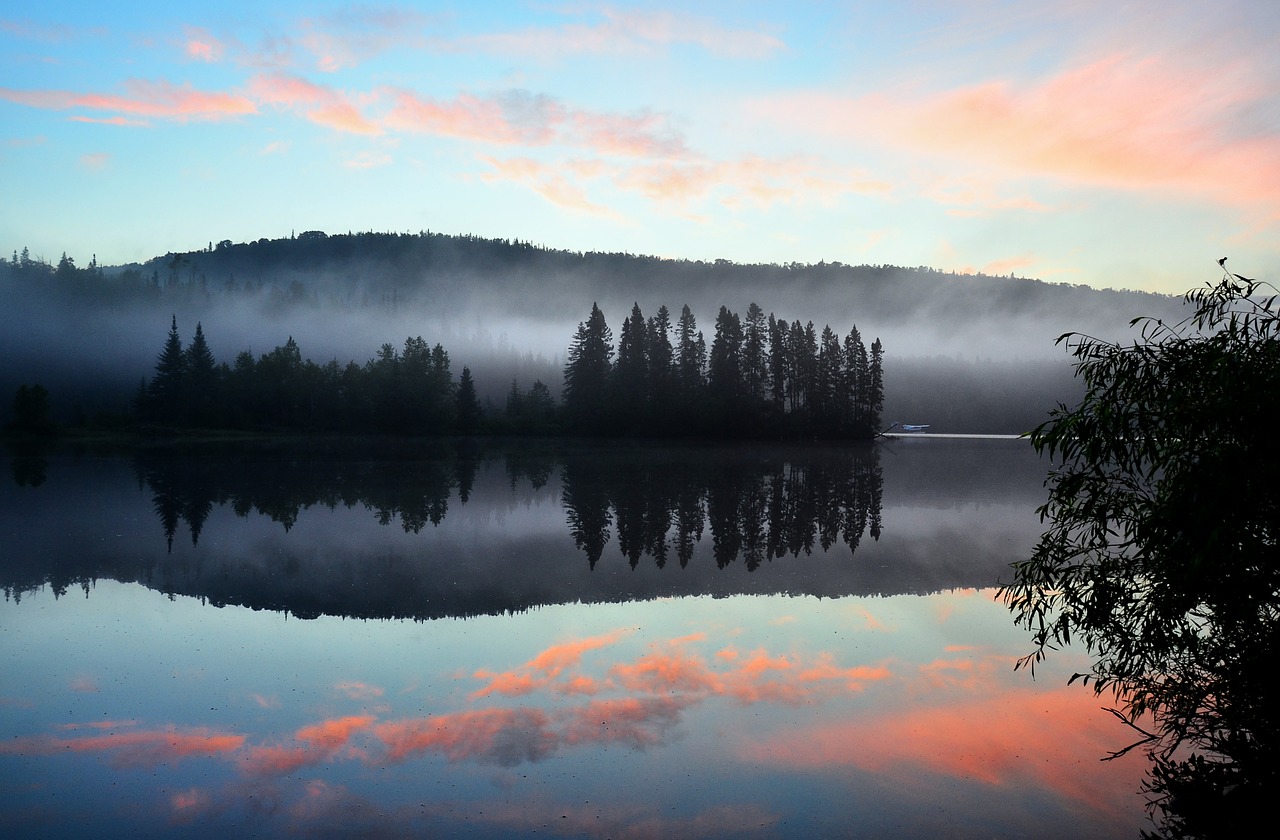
584,641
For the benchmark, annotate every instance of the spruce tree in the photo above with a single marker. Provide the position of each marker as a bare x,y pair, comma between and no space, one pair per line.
691,354
587,373
167,391
661,367
468,408
875,392
202,374
755,367
631,373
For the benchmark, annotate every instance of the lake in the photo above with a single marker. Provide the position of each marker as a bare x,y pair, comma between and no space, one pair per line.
568,640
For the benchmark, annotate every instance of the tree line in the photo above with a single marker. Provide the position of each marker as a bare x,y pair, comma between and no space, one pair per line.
761,377
387,270
407,390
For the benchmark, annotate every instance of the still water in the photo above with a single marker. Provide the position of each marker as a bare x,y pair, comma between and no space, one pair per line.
586,641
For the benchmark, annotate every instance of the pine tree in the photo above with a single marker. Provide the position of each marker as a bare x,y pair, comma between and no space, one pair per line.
631,373
468,409
724,364
691,354
857,382
828,385
167,390
202,374
779,363
662,373
875,392
587,373
755,367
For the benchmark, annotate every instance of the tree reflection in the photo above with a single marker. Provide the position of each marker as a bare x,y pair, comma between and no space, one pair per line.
757,507
679,520
29,461
411,492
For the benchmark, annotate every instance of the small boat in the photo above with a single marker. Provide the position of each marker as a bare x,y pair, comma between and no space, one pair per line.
905,427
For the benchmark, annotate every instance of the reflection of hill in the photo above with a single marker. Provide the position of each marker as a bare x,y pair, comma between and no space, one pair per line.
433,533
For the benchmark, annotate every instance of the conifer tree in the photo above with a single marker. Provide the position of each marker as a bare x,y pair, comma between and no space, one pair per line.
661,366
724,365
468,408
875,391
755,366
202,374
691,353
779,363
587,373
167,390
631,373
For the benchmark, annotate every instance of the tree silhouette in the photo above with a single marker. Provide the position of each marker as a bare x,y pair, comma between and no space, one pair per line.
468,409
1160,553
201,378
168,388
631,373
587,374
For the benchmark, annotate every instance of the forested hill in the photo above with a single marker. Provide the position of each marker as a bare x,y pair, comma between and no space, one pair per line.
390,269
507,308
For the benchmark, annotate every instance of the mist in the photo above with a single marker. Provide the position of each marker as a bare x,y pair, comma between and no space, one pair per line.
964,353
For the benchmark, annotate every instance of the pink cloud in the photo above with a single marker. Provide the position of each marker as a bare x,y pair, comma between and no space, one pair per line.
983,739
1010,264
1120,120
638,722
189,803
641,135
545,667
201,45
319,104
278,760
547,181
107,120
138,748
522,118
329,735
753,180
97,724
317,743
496,736
662,673
159,100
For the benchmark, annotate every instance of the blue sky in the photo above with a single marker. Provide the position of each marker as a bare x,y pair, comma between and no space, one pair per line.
1124,145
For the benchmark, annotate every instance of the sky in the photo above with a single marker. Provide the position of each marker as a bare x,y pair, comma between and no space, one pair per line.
1111,144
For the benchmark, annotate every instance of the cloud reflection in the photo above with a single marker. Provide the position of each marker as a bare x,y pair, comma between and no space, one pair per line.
970,728
140,748
318,743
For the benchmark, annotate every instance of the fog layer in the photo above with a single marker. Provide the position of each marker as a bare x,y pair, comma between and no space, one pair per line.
965,353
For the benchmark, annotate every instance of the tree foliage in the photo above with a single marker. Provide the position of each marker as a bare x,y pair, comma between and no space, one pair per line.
761,379
1160,554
